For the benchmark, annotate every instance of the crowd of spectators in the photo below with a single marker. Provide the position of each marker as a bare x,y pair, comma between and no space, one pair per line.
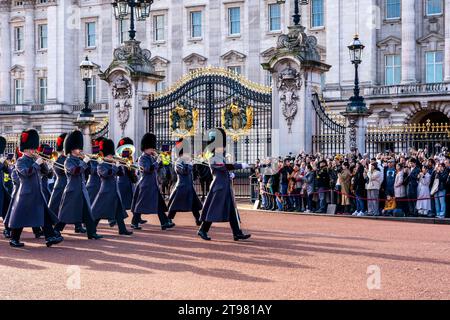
392,184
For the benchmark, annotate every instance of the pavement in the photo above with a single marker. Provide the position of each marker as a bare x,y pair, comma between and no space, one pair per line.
288,257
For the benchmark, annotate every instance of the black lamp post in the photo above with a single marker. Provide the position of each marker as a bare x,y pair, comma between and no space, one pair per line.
356,104
87,72
297,4
138,10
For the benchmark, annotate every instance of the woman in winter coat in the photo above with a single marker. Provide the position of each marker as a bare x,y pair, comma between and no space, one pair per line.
374,180
423,205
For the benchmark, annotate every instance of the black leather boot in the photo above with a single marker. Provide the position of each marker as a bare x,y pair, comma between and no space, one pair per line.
16,243
241,236
53,240
203,235
95,236
80,229
7,234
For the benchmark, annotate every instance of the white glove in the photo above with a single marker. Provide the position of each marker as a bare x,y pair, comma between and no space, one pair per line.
39,161
231,175
245,165
2,159
117,163
86,159
99,160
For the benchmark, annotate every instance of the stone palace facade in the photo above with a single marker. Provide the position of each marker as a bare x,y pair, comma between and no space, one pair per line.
405,72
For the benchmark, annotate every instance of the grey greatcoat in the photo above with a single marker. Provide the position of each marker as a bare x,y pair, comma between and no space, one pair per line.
219,203
46,174
75,196
93,183
108,203
60,185
125,180
147,198
28,206
184,197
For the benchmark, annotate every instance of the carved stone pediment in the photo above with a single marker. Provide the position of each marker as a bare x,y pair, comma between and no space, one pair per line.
195,59
432,41
159,62
17,71
233,56
390,45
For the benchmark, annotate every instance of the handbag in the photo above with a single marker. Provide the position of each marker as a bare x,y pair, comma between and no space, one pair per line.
435,187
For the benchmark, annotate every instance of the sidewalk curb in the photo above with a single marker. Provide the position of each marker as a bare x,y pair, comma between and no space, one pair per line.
396,219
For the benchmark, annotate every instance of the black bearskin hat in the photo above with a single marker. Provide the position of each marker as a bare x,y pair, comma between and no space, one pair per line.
60,142
29,139
124,141
2,145
107,147
148,141
74,140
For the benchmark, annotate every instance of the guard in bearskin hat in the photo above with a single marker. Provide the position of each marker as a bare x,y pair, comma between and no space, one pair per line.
183,197
93,181
5,168
46,174
29,206
75,204
219,204
147,198
108,203
61,180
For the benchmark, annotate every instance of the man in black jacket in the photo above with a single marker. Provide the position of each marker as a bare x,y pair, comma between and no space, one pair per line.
412,181
323,184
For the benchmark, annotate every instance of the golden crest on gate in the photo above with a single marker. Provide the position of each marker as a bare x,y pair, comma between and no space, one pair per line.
237,121
183,121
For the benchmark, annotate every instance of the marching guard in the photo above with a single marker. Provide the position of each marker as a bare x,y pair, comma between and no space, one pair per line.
127,177
5,198
108,203
93,182
29,207
147,198
75,203
219,205
183,197
46,174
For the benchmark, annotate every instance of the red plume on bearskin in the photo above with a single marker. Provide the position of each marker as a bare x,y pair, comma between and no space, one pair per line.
41,148
24,137
100,144
59,141
18,153
121,142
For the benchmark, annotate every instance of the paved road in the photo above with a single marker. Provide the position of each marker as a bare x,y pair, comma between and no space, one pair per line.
288,257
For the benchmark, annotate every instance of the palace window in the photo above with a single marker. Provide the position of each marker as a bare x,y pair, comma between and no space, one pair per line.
268,79
18,91
234,21
274,17
92,90
392,70
434,7
235,69
42,82
90,34
317,13
42,34
434,66
393,9
196,24
18,38
158,28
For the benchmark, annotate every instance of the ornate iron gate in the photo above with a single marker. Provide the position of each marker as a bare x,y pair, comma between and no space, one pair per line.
209,91
329,139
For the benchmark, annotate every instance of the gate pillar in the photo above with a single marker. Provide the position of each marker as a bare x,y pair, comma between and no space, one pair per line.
131,78
296,72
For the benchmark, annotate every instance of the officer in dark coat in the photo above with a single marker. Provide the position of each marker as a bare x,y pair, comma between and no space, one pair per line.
183,197
93,182
75,205
46,174
219,204
126,178
5,197
147,198
29,207
108,203
411,181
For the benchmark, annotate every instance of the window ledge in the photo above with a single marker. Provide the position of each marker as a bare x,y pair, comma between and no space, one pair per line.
42,50
274,32
90,48
435,15
392,20
19,52
158,42
233,36
321,28
195,39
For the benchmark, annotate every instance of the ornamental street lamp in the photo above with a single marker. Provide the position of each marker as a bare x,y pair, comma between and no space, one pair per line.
297,4
138,10
87,72
356,103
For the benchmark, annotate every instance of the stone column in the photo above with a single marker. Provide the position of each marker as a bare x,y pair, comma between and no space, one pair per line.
447,41
5,53
408,42
29,37
52,53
